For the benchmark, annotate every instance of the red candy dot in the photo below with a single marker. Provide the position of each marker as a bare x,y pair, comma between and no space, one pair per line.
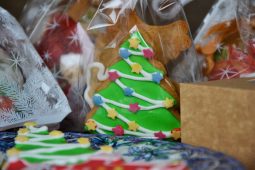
118,131
148,53
113,76
134,107
160,135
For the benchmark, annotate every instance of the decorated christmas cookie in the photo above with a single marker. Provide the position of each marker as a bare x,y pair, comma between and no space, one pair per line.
39,146
135,97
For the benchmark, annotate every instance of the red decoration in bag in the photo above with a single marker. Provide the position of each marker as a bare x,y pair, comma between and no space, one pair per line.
60,44
5,103
59,38
237,64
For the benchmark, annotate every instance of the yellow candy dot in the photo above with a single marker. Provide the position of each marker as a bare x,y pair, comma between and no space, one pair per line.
134,43
112,113
56,133
23,131
168,103
12,152
21,139
176,134
133,126
91,124
30,124
84,141
107,149
136,68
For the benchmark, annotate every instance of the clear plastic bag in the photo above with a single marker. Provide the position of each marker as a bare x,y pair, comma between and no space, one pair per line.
245,14
141,46
219,41
54,28
164,23
28,90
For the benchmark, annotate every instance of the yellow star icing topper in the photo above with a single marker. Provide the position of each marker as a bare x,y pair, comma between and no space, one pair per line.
168,103
106,148
12,152
91,124
133,126
30,124
112,113
21,139
176,134
56,133
23,131
136,68
84,141
118,168
134,43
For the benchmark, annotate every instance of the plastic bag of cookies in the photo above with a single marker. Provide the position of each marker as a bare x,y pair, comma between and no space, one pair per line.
219,42
55,29
162,23
28,90
142,47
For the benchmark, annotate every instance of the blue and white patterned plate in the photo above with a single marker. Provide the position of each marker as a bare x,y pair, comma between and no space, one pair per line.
135,149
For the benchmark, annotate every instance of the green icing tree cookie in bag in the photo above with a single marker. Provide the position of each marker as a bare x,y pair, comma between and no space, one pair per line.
135,98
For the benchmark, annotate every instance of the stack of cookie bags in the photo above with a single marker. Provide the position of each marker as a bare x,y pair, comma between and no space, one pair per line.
222,41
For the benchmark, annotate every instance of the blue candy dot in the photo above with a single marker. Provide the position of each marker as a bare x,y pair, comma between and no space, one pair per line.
98,100
157,77
124,53
128,91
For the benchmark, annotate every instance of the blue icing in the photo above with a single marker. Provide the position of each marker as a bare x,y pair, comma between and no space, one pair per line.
124,53
128,91
157,77
98,100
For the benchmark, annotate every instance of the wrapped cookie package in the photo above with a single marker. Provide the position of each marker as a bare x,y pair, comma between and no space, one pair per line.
28,91
223,41
65,47
141,48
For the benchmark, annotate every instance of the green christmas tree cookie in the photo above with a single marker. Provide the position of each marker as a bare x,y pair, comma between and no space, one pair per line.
134,102
37,145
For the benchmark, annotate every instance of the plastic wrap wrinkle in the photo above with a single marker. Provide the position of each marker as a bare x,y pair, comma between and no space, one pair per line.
223,10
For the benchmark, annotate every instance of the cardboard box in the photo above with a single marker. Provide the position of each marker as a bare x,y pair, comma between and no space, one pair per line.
220,115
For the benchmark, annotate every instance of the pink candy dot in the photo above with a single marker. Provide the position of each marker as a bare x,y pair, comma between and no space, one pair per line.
148,53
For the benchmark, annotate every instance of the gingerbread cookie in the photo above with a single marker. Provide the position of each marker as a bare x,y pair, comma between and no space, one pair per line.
135,98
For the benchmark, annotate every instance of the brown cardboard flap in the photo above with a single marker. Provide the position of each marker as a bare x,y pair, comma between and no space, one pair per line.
220,115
